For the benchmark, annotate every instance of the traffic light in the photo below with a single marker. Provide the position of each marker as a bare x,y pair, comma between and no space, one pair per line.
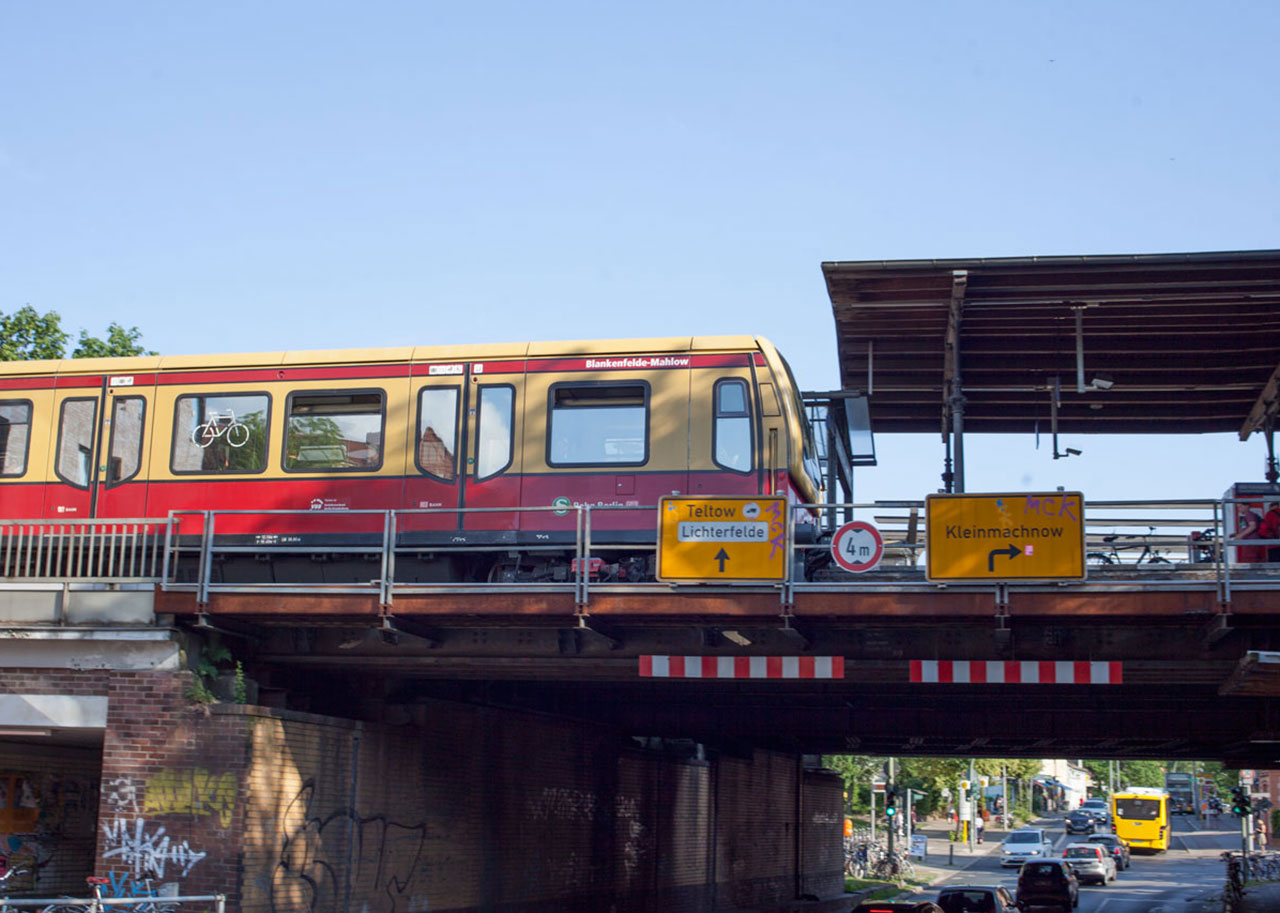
890,803
1240,802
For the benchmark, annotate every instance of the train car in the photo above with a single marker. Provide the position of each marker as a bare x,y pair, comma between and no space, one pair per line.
484,448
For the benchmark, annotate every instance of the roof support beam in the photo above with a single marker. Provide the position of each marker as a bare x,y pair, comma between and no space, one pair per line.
953,387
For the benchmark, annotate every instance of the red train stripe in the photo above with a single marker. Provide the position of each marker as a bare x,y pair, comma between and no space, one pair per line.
26,383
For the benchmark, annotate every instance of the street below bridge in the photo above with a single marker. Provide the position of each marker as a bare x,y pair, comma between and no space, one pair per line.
1188,878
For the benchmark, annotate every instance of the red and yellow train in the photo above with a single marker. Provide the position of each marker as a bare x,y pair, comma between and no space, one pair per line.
472,435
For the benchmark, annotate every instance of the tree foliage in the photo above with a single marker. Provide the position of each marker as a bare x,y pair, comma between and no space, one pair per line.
119,343
928,775
27,335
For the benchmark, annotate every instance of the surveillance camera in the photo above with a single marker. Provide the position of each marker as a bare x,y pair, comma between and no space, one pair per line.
1073,452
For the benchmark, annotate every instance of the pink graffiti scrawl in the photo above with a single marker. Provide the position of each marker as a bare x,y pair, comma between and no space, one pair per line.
777,528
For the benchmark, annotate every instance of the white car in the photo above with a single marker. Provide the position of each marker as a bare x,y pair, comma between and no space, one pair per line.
1025,844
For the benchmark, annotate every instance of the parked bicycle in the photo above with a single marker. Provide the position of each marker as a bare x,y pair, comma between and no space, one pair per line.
1112,554
1233,890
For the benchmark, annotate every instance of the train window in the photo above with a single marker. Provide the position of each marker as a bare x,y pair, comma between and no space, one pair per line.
732,432
220,432
125,452
593,424
438,432
334,431
76,429
493,432
15,436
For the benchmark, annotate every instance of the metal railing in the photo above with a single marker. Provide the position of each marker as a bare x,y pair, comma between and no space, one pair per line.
116,549
1176,543
143,904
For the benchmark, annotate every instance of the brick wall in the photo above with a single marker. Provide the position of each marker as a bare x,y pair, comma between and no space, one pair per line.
757,802
467,809
822,833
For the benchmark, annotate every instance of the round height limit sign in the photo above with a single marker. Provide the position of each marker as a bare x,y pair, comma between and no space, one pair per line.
857,547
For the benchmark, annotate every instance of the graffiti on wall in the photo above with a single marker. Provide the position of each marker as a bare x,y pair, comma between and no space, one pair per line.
192,792
147,852
125,886
39,814
309,873
563,804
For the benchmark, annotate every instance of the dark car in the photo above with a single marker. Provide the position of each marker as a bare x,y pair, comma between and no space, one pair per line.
879,906
1081,821
976,898
1049,883
1118,848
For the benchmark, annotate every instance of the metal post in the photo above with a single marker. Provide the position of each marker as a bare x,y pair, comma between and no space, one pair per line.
907,819
873,808
1004,795
888,791
973,805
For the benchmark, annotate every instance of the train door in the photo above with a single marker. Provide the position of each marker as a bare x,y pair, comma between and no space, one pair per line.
99,445
466,452
725,432
493,451
436,467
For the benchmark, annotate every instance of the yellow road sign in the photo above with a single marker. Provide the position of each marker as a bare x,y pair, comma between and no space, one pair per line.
706,540
1017,536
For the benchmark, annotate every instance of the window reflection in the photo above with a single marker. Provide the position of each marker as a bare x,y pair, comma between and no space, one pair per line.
493,437
733,425
15,432
597,424
224,432
438,432
334,431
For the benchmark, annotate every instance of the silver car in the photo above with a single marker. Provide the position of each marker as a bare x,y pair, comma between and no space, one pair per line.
1091,861
1025,844
1098,808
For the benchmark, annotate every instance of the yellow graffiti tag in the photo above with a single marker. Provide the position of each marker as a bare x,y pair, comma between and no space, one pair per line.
192,792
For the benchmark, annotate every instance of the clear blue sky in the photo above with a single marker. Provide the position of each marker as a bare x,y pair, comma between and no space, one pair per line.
287,175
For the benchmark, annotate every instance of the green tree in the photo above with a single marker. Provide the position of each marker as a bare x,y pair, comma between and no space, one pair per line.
119,343
27,336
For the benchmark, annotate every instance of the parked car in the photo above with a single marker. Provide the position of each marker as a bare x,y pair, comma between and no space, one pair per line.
1081,821
1091,862
1099,808
1025,844
1048,883
976,898
880,906
1118,848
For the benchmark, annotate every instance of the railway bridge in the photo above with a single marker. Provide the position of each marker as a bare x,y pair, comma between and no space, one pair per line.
178,715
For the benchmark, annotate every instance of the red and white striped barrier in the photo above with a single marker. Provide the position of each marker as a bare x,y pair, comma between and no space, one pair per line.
798,667
963,671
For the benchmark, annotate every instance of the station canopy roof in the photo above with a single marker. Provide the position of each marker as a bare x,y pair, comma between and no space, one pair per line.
1160,343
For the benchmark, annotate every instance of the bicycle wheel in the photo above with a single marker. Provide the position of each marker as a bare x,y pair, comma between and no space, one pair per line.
203,434
237,434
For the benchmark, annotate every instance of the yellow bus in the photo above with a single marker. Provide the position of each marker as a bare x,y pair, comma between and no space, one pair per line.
1140,817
